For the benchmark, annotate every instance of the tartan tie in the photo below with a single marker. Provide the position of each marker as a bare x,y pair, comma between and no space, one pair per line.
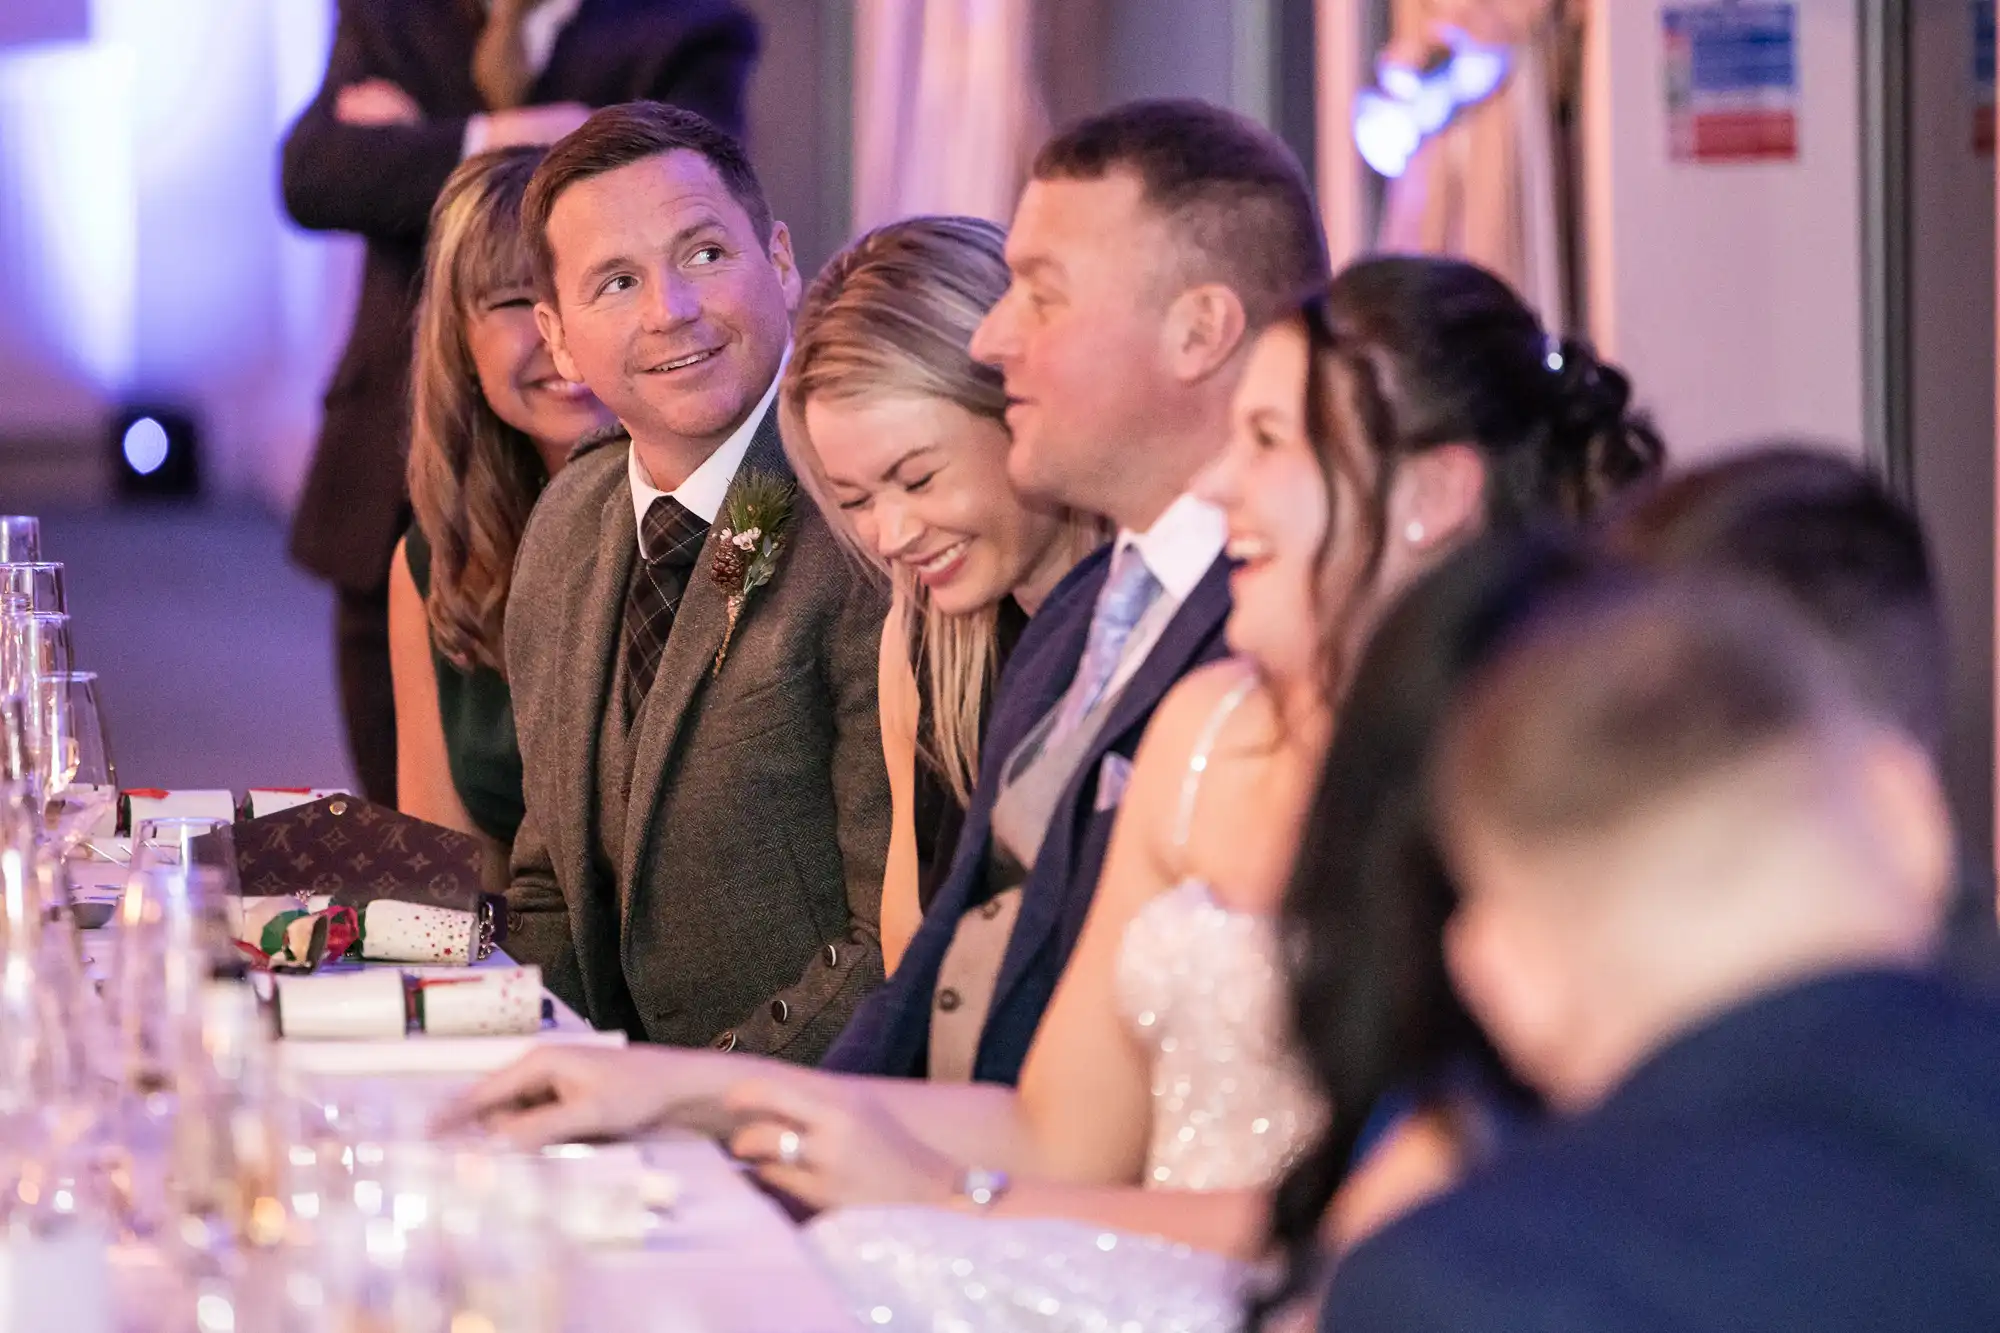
674,536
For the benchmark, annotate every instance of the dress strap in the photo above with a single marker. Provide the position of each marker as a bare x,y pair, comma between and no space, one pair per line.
1198,761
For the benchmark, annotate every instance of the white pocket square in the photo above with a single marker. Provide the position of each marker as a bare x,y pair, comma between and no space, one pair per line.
1112,778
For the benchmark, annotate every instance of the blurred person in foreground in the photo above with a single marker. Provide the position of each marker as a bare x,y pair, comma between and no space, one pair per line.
493,420
1852,558
412,88
1418,1098
1702,878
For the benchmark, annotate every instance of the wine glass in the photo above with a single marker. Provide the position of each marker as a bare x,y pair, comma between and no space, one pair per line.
32,643
40,581
17,764
72,754
172,936
20,537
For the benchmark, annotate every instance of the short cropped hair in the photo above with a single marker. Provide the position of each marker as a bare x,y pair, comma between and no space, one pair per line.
1615,699
1835,542
1233,193
618,136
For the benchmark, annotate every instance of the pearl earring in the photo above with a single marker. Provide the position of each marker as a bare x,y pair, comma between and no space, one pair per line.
1414,533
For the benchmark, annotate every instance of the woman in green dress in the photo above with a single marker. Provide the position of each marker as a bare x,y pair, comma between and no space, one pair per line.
492,420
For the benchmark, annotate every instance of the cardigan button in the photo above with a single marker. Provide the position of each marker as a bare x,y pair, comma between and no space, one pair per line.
726,1042
780,1011
832,956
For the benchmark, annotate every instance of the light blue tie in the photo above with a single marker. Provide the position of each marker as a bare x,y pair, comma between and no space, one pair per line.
1128,594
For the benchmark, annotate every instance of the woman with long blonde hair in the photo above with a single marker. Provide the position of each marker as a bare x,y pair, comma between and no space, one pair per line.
492,420
900,437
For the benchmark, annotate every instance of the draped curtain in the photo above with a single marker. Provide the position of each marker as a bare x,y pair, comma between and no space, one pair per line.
948,109
1489,188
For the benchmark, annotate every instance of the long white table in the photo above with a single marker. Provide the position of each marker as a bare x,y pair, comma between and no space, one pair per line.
725,1260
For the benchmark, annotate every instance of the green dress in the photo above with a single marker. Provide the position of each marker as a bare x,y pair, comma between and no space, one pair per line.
478,716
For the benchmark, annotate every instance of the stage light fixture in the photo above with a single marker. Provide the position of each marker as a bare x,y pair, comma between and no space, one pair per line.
155,453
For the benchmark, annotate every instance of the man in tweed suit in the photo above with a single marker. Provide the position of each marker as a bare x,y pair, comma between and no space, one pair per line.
707,807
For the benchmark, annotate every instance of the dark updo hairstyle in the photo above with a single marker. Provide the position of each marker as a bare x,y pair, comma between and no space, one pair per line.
1411,353
1415,352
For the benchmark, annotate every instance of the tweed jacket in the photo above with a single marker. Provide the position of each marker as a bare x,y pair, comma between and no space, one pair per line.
746,907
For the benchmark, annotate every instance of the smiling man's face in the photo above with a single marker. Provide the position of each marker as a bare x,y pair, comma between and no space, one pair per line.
667,302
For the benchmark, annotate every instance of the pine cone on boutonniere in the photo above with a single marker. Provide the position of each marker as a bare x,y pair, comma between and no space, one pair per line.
747,547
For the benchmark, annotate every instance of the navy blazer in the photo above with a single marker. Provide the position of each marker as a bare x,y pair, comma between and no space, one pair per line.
1825,1158
890,1033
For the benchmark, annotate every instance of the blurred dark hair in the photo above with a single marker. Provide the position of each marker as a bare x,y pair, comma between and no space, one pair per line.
618,136
1410,353
1373,1011
1607,705
1832,539
1231,190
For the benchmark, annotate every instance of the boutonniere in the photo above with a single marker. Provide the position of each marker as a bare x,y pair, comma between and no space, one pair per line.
747,548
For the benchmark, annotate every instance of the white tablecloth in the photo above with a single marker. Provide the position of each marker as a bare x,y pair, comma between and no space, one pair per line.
728,1260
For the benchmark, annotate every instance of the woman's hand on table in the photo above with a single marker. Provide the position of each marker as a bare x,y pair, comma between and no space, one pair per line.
563,1094
830,1144
558,1094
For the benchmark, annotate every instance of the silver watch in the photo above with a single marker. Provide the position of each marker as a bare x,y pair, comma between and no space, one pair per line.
982,1188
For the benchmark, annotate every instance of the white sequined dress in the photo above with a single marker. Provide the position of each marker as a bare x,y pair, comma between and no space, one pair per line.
1199,986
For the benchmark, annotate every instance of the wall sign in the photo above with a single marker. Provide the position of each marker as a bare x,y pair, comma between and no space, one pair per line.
1732,73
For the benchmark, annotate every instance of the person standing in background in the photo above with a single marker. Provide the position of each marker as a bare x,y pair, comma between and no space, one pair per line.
413,87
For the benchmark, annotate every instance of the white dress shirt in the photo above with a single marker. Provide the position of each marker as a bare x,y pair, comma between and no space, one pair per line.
708,485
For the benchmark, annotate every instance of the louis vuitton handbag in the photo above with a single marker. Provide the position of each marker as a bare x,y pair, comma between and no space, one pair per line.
342,876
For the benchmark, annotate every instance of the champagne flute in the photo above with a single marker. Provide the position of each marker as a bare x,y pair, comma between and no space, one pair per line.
20,537
73,756
40,581
17,763
32,644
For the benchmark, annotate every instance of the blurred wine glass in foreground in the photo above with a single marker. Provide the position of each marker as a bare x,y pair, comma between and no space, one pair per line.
72,754
20,537
39,581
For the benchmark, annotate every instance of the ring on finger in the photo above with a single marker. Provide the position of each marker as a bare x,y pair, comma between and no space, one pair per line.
790,1147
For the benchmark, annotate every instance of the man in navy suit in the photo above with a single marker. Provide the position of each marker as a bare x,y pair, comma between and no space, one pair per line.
1151,241
413,87
1703,876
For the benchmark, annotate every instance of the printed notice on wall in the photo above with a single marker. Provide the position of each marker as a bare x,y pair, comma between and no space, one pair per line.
1982,76
1732,81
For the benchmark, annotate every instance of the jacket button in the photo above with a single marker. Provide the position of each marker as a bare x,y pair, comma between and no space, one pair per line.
726,1042
947,1000
832,956
780,1011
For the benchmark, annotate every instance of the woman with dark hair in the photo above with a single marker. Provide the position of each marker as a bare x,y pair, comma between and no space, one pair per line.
1375,429
1373,1013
